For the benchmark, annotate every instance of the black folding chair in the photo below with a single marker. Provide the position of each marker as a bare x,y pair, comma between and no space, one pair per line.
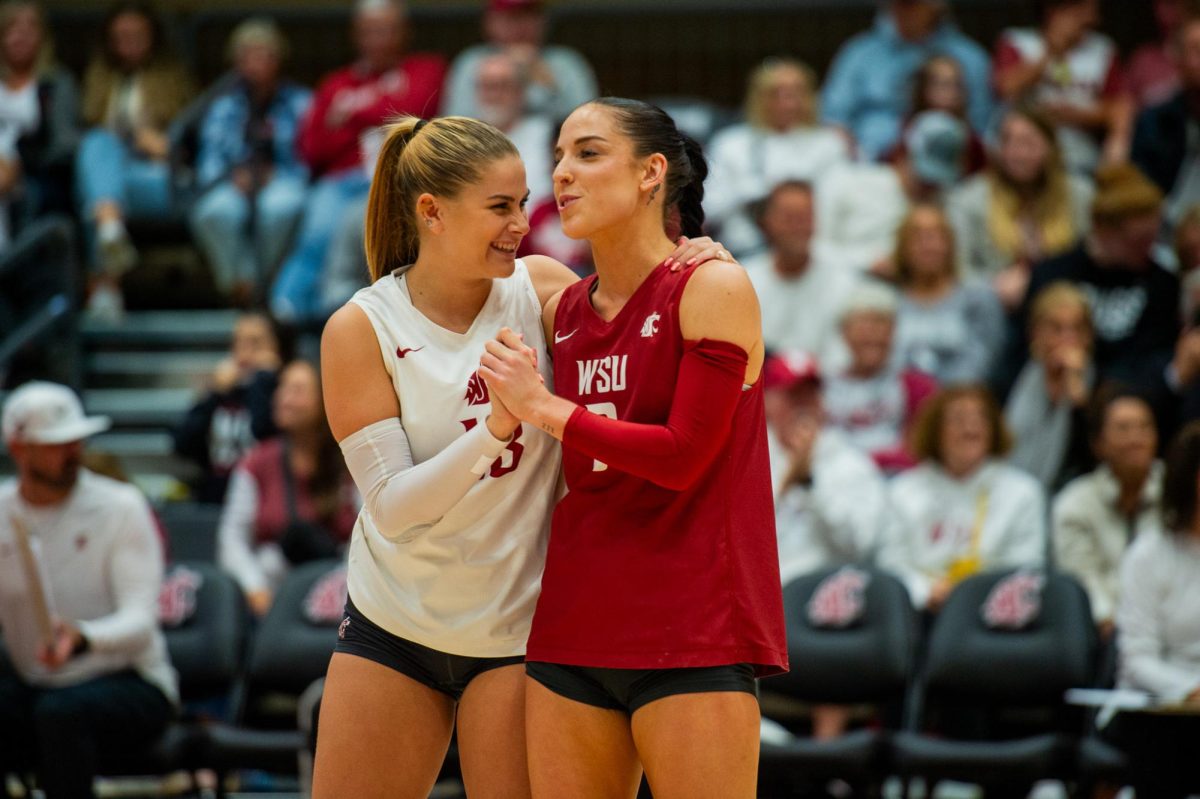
988,707
205,622
867,662
291,650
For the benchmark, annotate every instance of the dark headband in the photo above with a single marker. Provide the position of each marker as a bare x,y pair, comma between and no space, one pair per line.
420,124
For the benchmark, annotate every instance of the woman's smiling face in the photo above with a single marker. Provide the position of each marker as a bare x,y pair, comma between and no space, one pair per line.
487,219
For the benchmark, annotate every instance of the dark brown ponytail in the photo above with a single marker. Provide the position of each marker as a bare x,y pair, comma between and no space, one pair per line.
653,131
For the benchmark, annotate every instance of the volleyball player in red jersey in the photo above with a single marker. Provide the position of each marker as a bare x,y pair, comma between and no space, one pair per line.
660,600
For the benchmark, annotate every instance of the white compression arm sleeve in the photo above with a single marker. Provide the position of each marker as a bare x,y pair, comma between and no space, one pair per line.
405,499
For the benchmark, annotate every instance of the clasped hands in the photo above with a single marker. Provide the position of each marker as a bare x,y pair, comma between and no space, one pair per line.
509,367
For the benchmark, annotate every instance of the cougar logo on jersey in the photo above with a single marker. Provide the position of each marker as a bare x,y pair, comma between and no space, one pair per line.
602,375
477,391
839,600
1015,601
650,326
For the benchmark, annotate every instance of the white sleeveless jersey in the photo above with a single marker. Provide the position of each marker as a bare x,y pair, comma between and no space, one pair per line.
466,585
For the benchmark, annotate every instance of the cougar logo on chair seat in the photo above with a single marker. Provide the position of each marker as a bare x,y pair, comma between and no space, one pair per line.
1015,601
839,601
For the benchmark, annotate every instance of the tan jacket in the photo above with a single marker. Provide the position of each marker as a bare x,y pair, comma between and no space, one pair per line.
165,85
1091,536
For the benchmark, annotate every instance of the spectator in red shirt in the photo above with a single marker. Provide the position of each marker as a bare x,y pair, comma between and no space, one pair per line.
1152,75
385,82
1072,73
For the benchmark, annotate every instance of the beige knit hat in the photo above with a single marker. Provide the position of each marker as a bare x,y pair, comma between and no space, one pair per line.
1122,191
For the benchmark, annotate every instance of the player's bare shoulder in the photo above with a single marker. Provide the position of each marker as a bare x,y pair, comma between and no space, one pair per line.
719,303
356,386
346,330
549,277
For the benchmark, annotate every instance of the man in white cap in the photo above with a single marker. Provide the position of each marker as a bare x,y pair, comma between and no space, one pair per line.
93,677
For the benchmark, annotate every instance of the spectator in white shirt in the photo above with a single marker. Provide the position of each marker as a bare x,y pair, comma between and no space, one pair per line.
781,140
1159,612
1097,515
800,288
962,510
1158,621
1073,74
97,683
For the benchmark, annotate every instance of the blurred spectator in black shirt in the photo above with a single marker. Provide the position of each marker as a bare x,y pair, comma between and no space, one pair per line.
235,413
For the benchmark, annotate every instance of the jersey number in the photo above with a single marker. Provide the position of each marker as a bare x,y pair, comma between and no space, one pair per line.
609,410
512,453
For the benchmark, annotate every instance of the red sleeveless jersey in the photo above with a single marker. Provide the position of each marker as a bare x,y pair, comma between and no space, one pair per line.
639,576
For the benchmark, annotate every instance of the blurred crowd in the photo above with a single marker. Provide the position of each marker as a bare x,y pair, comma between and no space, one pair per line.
979,274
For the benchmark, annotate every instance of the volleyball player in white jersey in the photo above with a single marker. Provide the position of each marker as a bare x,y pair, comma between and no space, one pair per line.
447,555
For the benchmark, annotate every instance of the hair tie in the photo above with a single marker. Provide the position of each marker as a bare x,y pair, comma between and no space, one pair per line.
420,124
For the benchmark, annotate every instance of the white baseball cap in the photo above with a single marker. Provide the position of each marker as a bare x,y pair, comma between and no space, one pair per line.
870,296
48,413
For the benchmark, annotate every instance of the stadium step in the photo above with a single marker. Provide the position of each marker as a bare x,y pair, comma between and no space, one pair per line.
160,368
145,372
140,407
161,330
